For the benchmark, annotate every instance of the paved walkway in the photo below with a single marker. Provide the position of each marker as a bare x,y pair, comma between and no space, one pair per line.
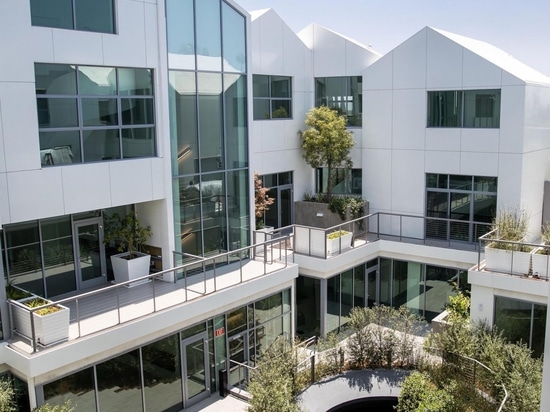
351,385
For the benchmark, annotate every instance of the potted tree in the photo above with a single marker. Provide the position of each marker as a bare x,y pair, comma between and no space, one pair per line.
130,235
509,225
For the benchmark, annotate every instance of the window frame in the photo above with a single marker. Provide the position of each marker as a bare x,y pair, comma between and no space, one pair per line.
464,115
270,98
353,113
120,125
73,12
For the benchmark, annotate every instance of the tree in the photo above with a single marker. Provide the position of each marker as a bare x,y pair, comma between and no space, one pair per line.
261,200
327,142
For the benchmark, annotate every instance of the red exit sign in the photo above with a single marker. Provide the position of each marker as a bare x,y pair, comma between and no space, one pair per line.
219,332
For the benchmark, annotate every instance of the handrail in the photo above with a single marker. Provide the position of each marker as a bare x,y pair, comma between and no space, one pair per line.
156,277
503,402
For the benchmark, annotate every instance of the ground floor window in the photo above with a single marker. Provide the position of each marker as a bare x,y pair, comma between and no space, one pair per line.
323,305
521,321
177,371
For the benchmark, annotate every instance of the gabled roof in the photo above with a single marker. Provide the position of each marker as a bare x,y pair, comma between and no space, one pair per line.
254,14
498,57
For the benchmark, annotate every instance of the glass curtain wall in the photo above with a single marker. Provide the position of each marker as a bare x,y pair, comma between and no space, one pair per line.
521,321
209,133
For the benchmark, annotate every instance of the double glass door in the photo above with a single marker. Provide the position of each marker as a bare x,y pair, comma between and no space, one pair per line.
89,252
196,373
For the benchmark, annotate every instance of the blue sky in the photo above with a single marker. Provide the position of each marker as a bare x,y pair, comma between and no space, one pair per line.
519,27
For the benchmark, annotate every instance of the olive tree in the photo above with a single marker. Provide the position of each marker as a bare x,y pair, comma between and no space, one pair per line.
327,142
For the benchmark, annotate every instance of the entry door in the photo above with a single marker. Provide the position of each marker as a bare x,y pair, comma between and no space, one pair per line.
89,253
241,356
196,371
372,286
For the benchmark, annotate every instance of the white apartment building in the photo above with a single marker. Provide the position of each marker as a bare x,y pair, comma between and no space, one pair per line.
167,108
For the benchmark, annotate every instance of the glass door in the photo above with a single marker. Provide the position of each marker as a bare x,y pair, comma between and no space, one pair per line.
196,371
372,286
285,206
89,253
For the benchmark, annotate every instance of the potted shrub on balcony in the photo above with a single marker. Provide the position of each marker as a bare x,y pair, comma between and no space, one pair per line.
338,241
51,324
130,235
510,225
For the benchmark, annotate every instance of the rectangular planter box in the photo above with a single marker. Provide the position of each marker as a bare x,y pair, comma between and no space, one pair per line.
506,261
339,244
49,329
126,270
540,264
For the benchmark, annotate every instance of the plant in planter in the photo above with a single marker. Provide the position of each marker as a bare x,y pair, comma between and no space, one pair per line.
509,225
338,241
130,235
51,323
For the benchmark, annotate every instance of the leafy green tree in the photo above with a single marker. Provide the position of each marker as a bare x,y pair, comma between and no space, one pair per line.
65,407
7,396
327,142
419,393
272,383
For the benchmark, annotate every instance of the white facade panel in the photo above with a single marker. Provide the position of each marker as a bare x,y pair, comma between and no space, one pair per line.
329,53
537,106
478,72
86,187
4,199
380,75
271,43
509,180
154,49
408,183
127,47
512,112
443,138
35,194
479,164
409,119
15,22
479,140
377,179
67,47
377,119
442,162
20,126
131,181
444,62
409,62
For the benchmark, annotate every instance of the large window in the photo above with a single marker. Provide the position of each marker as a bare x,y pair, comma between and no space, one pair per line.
344,181
92,114
468,108
272,97
343,94
87,15
462,207
521,321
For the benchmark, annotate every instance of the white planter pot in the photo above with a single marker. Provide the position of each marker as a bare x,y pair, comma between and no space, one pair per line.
540,264
49,329
132,269
506,261
339,244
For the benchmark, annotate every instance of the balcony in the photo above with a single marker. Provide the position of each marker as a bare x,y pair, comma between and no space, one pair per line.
518,259
420,230
205,282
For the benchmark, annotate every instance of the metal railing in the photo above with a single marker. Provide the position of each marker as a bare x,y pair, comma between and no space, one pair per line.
430,231
513,258
476,374
120,303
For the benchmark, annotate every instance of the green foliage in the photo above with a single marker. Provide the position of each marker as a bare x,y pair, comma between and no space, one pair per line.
7,396
65,407
272,383
37,302
458,307
382,337
327,142
419,393
127,230
337,234
16,293
511,225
